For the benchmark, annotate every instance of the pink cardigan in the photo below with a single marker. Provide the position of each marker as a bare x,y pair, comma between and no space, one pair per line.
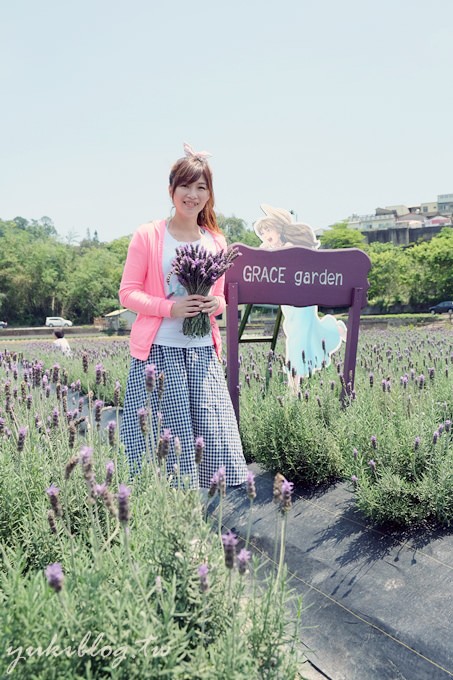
142,288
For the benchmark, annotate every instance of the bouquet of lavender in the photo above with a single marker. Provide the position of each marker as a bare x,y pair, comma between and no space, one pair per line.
197,270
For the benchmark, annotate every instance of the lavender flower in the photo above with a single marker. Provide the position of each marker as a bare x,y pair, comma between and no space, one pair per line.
199,448
109,470
21,438
98,373
70,465
142,414
116,394
100,489
111,429
229,541
287,490
150,377
277,488
374,441
214,484
222,481
354,479
123,503
250,485
72,434
86,460
372,464
98,406
51,521
55,576
203,576
163,447
53,493
243,559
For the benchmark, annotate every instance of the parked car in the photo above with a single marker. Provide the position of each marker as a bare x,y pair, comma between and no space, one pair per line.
3,324
442,307
52,321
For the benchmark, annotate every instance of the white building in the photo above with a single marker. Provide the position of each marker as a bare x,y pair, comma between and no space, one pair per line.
371,222
445,204
429,208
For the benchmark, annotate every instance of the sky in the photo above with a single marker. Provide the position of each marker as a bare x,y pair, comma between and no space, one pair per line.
323,107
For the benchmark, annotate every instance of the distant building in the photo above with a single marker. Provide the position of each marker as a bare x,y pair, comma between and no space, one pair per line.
403,209
429,209
402,225
445,204
120,319
366,223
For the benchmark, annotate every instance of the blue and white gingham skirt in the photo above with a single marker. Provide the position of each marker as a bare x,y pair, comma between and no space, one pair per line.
195,403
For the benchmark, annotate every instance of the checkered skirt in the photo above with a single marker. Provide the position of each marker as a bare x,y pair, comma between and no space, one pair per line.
195,402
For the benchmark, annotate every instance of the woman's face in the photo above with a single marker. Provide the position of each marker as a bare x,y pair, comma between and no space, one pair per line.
190,199
270,236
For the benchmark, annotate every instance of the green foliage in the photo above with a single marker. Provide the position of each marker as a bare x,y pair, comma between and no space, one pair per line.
389,276
341,236
236,231
288,428
131,604
393,437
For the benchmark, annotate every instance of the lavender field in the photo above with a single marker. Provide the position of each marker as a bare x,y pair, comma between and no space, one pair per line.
103,575
107,576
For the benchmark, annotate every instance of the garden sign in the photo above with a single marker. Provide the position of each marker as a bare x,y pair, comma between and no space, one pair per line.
298,277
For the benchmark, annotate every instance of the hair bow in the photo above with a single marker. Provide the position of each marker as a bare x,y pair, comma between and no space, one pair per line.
190,153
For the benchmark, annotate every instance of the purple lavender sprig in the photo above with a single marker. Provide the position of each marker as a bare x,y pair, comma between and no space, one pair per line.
55,576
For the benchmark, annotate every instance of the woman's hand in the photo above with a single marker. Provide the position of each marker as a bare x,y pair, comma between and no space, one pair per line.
187,306
210,304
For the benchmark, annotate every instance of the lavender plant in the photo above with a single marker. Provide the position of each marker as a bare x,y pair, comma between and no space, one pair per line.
99,575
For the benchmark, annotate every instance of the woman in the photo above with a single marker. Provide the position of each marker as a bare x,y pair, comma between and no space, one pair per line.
195,401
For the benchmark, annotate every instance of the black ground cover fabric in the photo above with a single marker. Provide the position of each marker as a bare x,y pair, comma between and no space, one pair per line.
379,603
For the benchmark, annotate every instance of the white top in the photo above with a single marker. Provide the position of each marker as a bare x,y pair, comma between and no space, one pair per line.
170,331
63,345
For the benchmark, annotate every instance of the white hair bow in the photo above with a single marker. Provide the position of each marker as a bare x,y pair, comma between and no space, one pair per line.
190,153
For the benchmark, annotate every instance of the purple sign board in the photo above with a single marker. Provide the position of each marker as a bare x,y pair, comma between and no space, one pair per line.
299,277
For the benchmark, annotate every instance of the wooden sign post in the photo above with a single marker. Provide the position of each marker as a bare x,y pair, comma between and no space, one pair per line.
299,277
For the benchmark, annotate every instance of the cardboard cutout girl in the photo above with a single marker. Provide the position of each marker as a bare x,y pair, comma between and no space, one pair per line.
310,340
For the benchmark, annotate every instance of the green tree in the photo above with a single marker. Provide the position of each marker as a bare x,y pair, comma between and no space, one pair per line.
236,231
390,275
432,269
341,236
93,284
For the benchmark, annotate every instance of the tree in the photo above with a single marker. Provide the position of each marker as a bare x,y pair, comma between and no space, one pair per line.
432,267
341,236
236,231
390,275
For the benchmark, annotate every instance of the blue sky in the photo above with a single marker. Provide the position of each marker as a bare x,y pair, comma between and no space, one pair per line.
322,107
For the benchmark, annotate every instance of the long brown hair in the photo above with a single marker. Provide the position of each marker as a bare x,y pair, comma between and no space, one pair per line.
187,171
